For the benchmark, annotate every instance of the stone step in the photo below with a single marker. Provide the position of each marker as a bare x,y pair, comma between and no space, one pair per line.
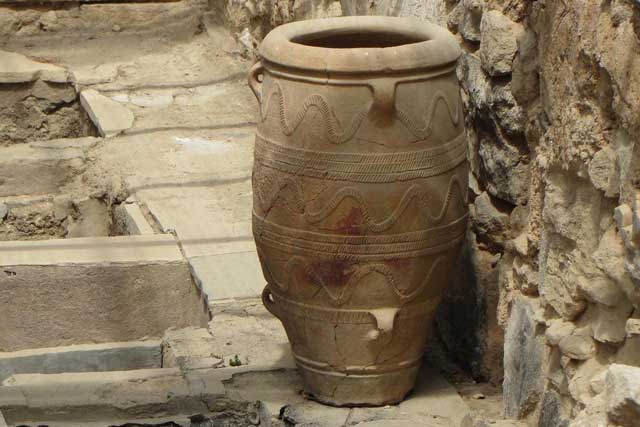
179,420
82,358
115,395
103,289
212,106
28,169
180,56
206,201
220,105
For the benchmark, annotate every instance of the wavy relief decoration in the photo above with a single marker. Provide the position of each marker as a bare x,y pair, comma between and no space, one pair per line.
424,131
334,131
358,274
331,124
291,194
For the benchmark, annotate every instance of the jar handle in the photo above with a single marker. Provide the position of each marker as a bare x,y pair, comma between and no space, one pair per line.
254,83
383,107
269,303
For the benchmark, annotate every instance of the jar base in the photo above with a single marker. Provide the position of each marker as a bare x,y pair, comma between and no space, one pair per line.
343,389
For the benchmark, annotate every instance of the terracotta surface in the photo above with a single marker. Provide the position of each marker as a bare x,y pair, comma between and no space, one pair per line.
359,181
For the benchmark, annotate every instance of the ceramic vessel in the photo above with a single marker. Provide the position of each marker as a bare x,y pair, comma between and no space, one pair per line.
360,183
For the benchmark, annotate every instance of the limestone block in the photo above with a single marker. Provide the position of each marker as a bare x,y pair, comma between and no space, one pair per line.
221,277
189,348
577,347
558,284
129,217
610,257
597,383
498,42
525,79
471,18
601,289
591,416
622,394
109,116
93,219
306,413
244,328
63,292
521,244
551,411
557,330
487,220
508,114
82,358
632,327
523,360
506,172
16,68
91,75
26,170
629,353
608,323
526,277
580,382
604,173
623,215
474,80
574,208
99,396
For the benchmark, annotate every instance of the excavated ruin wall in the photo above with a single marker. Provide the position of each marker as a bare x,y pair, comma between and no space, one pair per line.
552,90
551,273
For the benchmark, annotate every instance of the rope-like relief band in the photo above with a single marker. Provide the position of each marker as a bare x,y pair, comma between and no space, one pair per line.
370,167
366,244
340,252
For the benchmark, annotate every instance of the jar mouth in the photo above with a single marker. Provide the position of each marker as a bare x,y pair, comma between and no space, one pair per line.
360,44
357,39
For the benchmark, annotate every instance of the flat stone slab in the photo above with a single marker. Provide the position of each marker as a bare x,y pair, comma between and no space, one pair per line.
157,249
244,328
17,68
33,170
132,220
208,206
231,275
220,104
190,348
176,420
433,403
109,116
103,289
82,358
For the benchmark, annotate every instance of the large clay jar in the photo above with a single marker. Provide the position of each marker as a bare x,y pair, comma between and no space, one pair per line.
359,207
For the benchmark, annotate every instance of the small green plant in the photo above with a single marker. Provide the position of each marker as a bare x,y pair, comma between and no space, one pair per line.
235,361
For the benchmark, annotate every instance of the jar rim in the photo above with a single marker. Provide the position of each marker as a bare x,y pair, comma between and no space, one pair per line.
360,44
